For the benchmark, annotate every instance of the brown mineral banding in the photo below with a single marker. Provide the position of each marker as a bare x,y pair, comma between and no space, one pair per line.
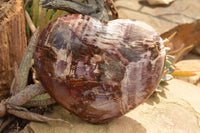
99,71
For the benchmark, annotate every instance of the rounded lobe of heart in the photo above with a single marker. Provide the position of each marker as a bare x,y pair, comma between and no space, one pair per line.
99,71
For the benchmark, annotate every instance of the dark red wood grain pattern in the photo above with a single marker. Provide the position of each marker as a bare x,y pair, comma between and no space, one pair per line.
99,71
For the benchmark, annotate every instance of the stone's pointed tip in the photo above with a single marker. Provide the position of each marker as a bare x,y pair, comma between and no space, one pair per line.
166,41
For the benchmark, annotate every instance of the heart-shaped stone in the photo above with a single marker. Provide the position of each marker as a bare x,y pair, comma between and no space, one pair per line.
99,71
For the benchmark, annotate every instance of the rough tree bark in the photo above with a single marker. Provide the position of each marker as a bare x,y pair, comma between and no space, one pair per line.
13,41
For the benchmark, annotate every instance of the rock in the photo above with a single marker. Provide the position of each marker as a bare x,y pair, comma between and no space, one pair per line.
176,110
159,2
162,18
188,65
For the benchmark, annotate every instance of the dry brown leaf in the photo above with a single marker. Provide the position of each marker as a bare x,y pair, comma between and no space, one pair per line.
187,35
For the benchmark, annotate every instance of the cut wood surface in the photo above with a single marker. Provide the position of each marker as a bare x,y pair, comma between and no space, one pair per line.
13,41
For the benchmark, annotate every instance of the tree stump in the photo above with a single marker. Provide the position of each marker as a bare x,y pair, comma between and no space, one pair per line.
13,41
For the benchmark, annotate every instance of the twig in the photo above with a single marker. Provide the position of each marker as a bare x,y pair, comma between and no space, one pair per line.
2,109
26,94
34,77
26,63
30,22
15,81
34,116
40,103
180,54
27,1
6,122
167,40
177,50
113,9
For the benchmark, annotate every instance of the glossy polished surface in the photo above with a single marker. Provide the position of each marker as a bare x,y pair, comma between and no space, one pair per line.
99,71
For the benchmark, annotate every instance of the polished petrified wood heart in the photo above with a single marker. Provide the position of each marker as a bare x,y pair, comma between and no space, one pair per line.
99,71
